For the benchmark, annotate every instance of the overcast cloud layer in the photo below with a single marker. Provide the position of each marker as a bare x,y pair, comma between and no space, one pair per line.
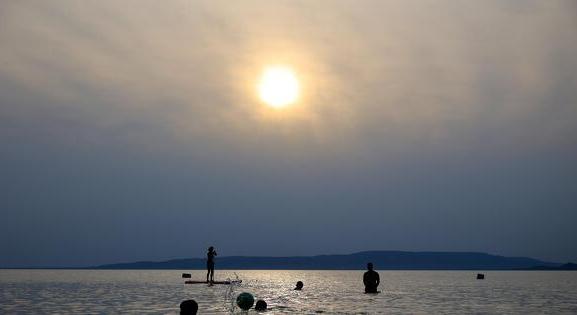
130,130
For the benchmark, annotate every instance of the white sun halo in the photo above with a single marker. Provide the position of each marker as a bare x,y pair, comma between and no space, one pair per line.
278,86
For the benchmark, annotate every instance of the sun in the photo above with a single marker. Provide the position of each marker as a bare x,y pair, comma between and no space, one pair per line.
278,86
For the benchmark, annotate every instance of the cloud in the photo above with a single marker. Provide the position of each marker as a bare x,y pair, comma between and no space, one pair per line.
404,103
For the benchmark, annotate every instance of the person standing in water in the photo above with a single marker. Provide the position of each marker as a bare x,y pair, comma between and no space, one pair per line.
371,279
210,264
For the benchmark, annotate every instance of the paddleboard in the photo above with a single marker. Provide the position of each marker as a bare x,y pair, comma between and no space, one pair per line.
214,282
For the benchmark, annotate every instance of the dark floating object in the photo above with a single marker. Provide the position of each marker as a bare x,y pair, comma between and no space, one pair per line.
480,276
188,307
260,305
299,286
245,301
186,275
213,282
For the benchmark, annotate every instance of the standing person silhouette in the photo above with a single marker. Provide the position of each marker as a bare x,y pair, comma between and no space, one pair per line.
371,279
210,264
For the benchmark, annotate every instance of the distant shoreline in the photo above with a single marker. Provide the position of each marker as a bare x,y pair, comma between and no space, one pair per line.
190,269
383,260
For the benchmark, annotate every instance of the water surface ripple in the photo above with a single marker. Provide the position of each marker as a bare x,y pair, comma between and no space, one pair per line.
327,292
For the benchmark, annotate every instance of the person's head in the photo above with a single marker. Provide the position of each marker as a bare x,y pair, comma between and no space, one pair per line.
260,305
300,285
210,249
188,307
370,266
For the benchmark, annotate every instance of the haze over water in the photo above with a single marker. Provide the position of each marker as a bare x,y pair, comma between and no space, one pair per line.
331,292
143,129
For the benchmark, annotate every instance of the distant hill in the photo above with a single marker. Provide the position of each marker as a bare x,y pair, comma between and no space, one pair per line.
567,266
383,260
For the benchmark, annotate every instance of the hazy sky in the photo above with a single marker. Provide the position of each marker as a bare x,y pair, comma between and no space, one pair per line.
132,130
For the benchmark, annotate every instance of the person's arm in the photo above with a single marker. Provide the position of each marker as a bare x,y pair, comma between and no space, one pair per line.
365,280
378,279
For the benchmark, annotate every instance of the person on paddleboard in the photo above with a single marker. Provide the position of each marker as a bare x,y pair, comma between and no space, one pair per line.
210,264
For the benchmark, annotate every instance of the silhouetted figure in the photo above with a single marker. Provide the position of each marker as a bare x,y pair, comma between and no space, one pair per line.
480,276
371,279
188,307
260,305
210,264
299,286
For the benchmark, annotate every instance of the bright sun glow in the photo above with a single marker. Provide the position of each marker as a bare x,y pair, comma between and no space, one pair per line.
278,87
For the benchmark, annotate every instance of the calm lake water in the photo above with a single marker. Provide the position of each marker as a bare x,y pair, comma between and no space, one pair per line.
403,292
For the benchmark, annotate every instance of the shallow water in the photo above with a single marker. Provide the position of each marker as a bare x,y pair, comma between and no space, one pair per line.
403,292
